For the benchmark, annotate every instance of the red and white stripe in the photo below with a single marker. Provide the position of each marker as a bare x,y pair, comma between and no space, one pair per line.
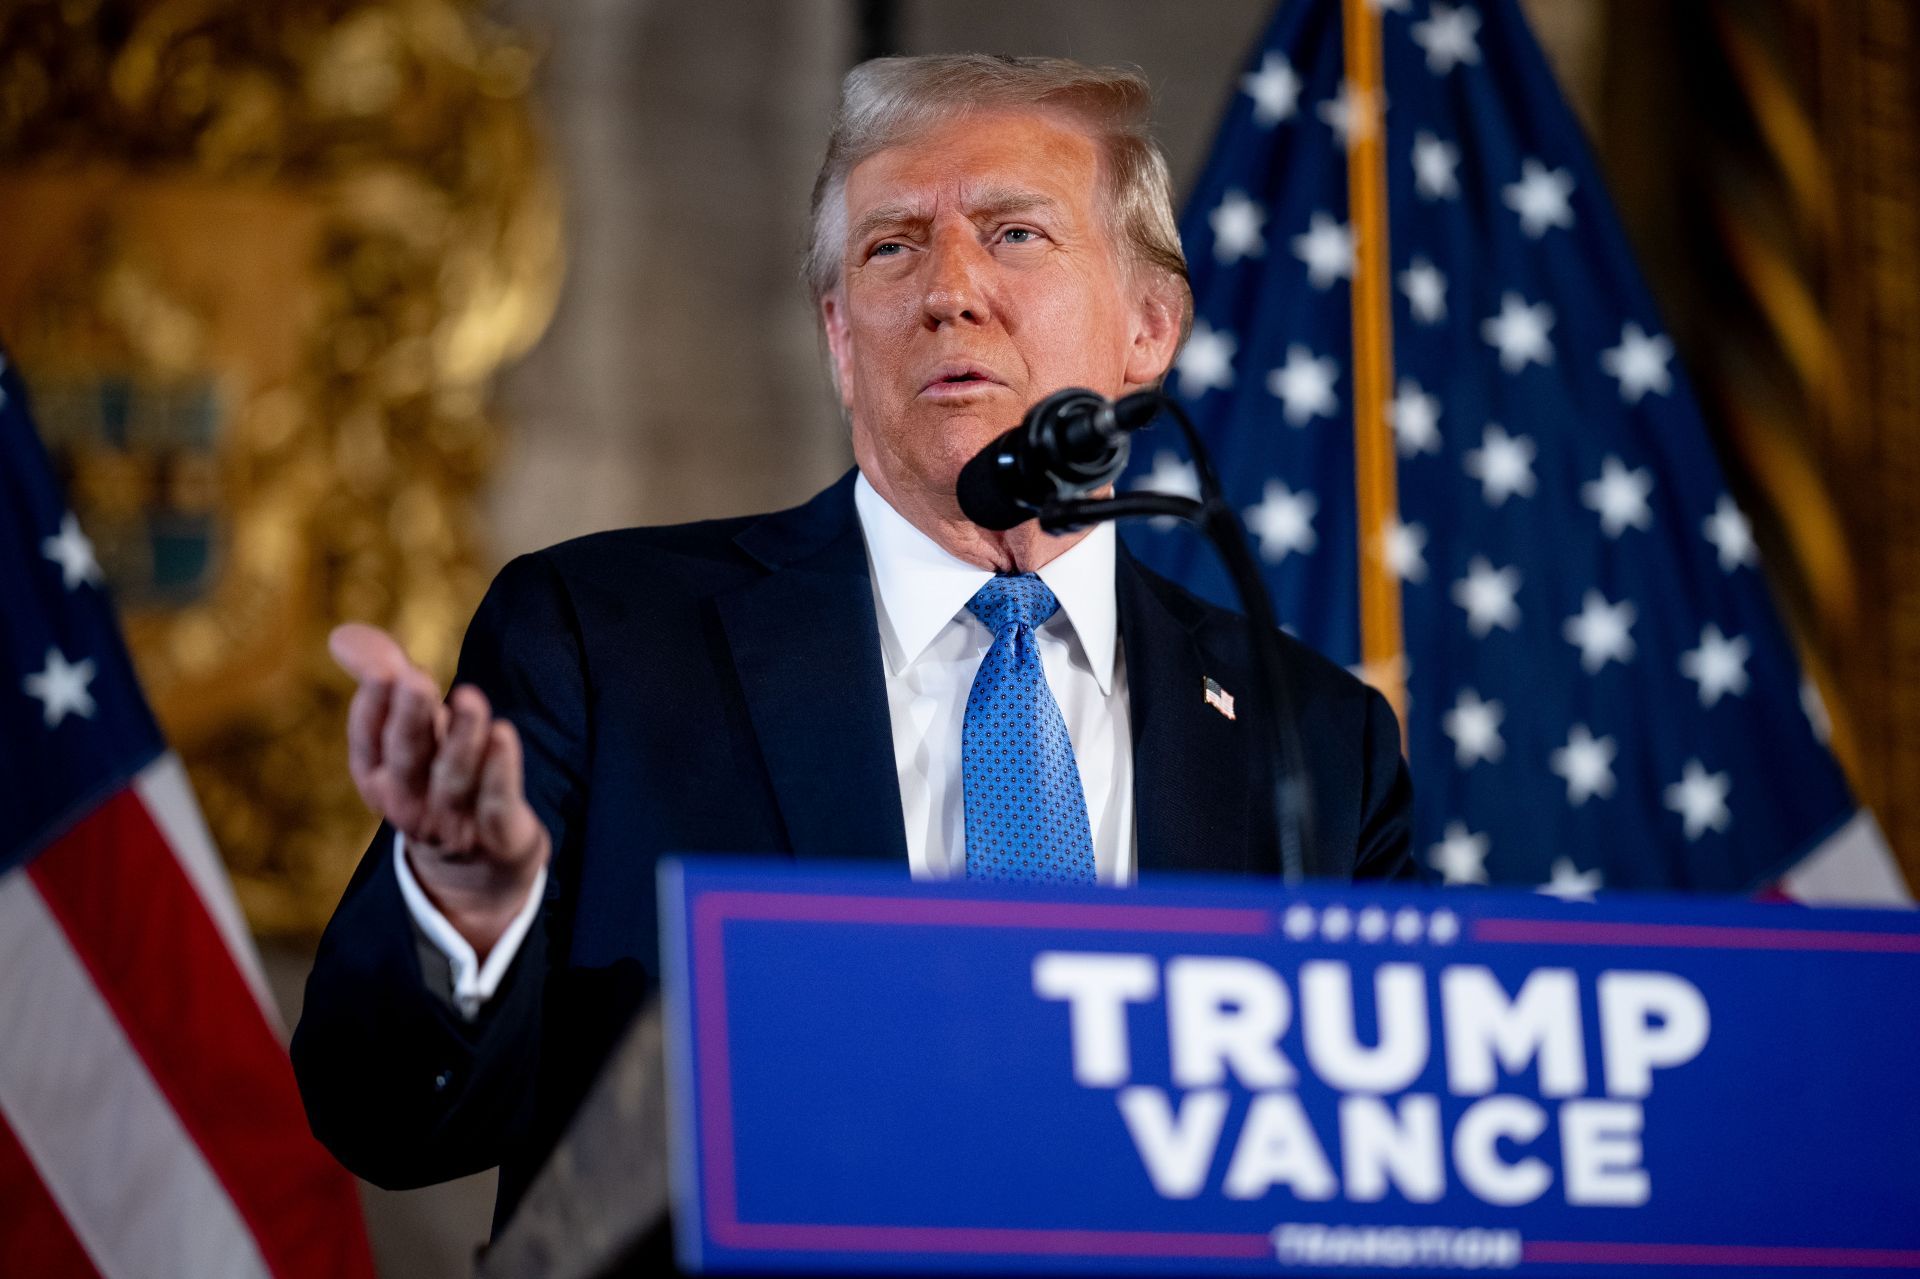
149,1123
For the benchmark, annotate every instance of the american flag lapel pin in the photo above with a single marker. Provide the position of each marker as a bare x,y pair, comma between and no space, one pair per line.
1218,698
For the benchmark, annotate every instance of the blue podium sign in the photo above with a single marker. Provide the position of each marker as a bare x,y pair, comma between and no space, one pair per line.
1230,1077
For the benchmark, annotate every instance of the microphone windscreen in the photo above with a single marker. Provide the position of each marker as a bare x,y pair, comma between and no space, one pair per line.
983,498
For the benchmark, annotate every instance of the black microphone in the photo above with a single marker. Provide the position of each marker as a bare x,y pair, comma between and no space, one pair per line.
1068,445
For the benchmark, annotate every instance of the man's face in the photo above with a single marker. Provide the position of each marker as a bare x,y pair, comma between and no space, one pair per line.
979,277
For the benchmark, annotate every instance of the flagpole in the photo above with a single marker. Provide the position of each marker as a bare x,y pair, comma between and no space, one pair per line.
1382,644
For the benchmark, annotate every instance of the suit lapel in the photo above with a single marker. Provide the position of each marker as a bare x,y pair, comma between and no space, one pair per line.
1191,772
807,650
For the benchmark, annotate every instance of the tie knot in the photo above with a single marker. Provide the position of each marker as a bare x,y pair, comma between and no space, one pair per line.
1006,602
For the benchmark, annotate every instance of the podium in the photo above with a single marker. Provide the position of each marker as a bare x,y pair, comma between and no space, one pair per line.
599,1206
863,1075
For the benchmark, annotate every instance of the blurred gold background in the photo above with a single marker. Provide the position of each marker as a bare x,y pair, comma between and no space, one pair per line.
286,280
263,263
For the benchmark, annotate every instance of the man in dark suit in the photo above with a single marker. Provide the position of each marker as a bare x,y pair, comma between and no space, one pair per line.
840,680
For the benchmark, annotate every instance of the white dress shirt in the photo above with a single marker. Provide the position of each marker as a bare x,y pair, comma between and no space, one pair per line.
931,646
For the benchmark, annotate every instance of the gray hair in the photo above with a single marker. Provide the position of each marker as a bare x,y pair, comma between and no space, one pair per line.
888,101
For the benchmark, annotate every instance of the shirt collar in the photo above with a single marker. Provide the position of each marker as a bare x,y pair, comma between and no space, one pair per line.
920,586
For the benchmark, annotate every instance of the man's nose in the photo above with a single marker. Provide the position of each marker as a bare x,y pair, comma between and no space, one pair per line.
957,280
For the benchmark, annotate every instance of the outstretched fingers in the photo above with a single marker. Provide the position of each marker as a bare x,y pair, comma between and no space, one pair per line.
366,722
454,778
507,823
446,774
407,747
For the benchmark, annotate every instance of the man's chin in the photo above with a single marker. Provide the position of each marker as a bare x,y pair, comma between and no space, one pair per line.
934,443
978,420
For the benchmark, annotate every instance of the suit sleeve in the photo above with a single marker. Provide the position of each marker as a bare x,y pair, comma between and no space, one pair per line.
397,1085
1384,849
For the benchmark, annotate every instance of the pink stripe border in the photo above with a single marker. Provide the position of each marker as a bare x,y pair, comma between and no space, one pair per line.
1555,1252
1584,932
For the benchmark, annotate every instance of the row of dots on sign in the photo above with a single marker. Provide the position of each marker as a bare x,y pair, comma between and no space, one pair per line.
1302,922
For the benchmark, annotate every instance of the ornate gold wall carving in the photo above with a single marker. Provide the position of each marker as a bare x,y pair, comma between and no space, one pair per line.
263,262
1869,110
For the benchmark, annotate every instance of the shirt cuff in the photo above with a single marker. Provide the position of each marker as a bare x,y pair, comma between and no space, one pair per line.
474,983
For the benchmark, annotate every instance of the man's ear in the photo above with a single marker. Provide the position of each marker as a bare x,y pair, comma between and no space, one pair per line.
1158,316
833,322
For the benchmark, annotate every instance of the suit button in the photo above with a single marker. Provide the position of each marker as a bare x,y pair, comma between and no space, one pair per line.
441,1080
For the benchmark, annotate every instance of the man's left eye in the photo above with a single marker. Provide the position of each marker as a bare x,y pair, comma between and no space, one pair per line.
1020,235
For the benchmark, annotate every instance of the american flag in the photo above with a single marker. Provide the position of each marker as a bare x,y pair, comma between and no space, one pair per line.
149,1123
1598,691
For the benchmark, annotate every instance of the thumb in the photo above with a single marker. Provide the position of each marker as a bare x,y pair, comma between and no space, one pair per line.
368,653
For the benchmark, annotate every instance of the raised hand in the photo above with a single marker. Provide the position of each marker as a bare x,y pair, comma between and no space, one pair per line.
449,777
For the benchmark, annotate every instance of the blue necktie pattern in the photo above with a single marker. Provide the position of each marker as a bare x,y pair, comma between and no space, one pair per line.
1026,813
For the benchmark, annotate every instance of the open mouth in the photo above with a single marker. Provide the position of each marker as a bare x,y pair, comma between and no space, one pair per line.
957,379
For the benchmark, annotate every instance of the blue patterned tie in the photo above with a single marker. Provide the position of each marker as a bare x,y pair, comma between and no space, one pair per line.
1026,813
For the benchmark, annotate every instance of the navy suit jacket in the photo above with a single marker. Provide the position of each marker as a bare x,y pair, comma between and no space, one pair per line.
717,687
